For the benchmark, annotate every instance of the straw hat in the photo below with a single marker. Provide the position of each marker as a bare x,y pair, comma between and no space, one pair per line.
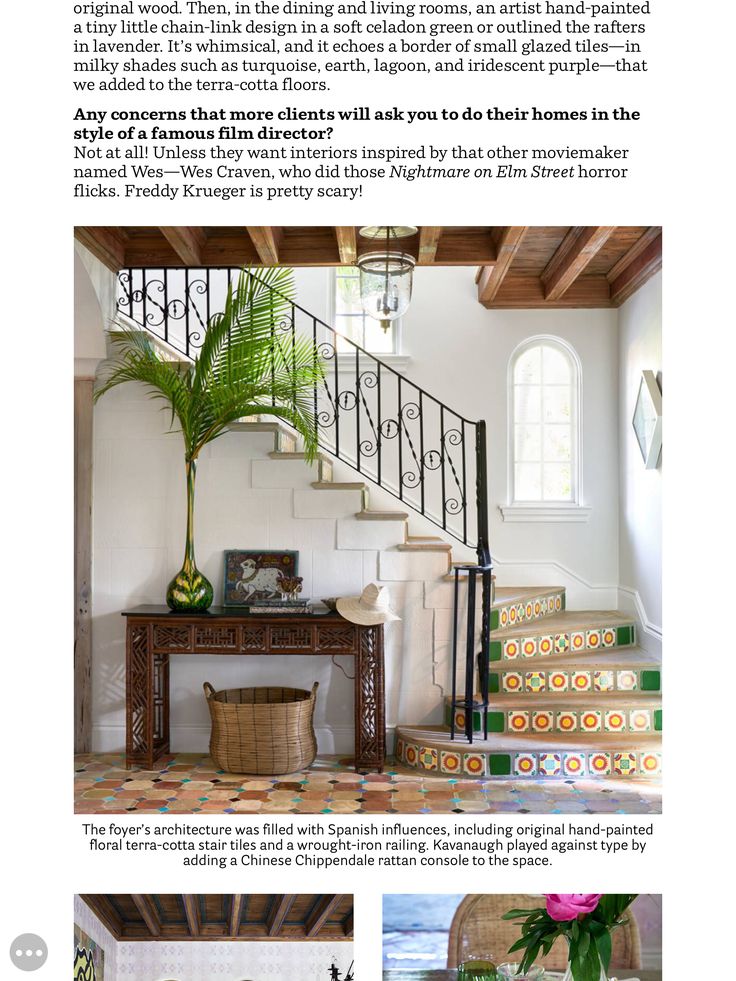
370,608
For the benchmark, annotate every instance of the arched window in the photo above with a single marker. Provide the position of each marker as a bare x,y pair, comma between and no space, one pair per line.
544,424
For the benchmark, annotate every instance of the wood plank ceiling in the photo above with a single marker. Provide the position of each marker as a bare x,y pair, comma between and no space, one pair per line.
519,266
243,916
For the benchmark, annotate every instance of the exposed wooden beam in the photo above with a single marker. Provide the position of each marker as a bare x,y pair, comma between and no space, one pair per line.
491,278
578,248
324,906
105,913
347,244
640,263
523,291
237,907
144,905
429,239
347,924
267,241
187,241
191,909
277,914
106,243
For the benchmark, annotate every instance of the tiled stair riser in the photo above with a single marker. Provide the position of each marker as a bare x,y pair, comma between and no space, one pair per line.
582,763
570,642
511,614
566,682
645,719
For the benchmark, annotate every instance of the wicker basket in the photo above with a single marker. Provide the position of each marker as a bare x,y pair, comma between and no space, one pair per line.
265,731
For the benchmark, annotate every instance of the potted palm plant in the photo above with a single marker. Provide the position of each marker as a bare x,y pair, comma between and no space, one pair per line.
246,366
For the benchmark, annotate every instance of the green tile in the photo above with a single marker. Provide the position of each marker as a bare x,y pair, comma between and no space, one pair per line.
564,598
494,683
496,722
658,720
651,681
496,650
499,765
624,636
494,619
476,722
448,715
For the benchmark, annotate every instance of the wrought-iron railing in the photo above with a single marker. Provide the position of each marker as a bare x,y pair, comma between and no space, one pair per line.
367,414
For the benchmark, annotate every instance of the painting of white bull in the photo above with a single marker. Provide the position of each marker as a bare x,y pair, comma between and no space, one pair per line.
252,577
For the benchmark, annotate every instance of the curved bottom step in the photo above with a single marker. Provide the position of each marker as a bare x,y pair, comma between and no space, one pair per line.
429,748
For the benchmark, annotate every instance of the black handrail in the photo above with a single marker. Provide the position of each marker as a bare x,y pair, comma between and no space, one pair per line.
367,414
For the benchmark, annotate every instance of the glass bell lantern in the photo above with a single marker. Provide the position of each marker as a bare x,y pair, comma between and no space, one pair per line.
386,273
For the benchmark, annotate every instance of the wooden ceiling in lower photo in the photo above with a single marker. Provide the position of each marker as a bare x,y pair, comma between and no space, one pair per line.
518,266
243,916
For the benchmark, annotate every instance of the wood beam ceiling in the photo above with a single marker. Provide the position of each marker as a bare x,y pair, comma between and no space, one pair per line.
105,913
187,242
149,913
491,277
267,241
577,250
639,264
323,908
277,915
429,239
237,908
106,244
347,244
191,911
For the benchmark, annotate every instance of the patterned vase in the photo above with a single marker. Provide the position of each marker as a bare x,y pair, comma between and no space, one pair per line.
189,589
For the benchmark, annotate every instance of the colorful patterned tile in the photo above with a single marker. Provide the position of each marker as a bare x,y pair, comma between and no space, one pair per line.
542,721
535,681
627,680
528,646
625,764
546,645
577,641
608,637
593,639
525,764
550,764
615,721
558,681
640,720
599,764
581,681
591,721
566,721
511,649
428,758
513,615
503,617
558,603
650,763
474,764
529,610
603,681
518,721
400,750
562,643
537,608
513,681
411,754
573,764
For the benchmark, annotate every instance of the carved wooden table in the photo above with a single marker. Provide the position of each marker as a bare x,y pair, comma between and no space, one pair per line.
154,633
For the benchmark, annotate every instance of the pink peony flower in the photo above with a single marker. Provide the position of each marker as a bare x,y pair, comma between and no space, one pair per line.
569,905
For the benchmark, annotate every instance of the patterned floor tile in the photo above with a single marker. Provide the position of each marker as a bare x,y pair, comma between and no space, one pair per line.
188,784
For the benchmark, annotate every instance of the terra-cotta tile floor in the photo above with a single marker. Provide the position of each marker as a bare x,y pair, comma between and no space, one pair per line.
188,783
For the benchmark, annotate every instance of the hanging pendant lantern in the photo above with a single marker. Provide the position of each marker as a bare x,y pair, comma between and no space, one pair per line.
386,274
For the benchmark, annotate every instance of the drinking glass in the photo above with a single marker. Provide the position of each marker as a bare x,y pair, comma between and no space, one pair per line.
510,972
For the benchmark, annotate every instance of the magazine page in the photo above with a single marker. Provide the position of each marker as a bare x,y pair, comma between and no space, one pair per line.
379,586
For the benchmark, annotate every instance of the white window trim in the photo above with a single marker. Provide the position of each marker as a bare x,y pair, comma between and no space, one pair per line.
546,511
398,360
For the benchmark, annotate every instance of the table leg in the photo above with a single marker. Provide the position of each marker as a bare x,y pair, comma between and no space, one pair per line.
370,722
146,699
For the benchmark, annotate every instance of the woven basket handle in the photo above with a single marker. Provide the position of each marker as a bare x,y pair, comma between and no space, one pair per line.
209,691
315,686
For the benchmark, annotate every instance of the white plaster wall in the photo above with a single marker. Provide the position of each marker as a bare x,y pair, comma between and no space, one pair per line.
640,522
89,320
201,961
86,919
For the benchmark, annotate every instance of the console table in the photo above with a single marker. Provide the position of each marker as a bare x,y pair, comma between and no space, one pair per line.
154,633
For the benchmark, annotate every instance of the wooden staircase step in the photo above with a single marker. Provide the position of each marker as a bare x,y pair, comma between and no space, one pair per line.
567,620
611,659
535,755
289,455
357,485
425,546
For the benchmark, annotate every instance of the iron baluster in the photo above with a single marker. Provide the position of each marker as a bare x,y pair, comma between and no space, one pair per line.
379,437
421,449
465,488
357,409
316,361
442,462
455,613
144,292
470,653
400,437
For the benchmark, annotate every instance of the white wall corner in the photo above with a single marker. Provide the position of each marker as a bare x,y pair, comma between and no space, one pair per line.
630,601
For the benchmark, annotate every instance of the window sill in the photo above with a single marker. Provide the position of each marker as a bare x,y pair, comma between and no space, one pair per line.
551,513
399,362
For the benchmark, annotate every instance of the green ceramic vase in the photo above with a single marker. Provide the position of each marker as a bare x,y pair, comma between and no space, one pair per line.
189,589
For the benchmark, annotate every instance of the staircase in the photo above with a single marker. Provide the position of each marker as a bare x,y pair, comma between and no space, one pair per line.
563,693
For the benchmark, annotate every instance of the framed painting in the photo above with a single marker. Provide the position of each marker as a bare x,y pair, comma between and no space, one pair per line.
89,957
253,577
647,421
